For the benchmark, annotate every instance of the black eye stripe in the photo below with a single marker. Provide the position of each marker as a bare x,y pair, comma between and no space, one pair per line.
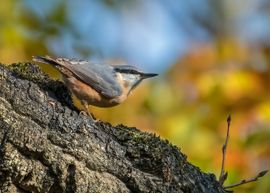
128,71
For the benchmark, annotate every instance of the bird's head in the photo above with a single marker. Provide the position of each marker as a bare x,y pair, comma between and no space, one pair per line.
131,76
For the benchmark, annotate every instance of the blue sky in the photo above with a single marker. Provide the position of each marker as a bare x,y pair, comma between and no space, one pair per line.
150,34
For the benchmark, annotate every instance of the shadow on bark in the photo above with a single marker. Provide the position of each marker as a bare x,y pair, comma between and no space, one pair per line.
47,146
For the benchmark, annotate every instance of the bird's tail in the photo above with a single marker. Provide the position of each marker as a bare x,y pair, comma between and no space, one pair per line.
45,59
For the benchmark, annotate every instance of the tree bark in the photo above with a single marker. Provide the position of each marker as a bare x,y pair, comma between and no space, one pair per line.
46,145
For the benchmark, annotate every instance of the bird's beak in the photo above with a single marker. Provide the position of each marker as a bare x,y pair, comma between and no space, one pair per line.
148,75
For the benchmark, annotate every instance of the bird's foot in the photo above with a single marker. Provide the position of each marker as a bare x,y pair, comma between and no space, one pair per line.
88,114
83,113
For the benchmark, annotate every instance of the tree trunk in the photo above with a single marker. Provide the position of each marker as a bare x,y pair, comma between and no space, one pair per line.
47,146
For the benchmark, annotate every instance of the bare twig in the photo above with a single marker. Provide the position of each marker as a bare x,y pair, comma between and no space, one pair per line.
261,174
223,174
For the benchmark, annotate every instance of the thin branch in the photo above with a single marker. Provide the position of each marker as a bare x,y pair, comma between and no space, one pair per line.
261,174
223,174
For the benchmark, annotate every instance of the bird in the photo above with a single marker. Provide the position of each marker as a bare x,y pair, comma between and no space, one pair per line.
97,83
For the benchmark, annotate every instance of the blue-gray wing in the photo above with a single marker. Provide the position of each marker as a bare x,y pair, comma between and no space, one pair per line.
99,76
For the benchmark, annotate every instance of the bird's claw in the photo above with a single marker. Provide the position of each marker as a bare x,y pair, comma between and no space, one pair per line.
88,114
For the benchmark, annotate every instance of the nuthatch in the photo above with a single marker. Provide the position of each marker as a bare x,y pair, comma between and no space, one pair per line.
97,84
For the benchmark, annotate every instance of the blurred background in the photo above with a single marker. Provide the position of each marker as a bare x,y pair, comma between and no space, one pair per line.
213,58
